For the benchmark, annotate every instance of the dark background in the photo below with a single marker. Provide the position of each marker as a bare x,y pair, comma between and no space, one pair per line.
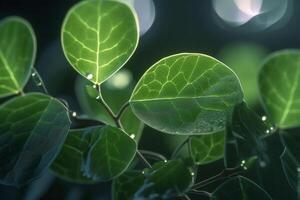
179,26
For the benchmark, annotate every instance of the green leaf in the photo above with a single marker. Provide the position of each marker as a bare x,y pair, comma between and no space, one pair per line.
279,84
94,154
186,94
98,38
240,188
17,54
165,180
116,92
207,148
125,186
245,138
290,158
32,130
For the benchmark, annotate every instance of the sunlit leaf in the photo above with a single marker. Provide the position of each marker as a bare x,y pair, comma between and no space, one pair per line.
98,37
165,180
94,154
207,148
279,84
32,130
186,94
240,188
17,54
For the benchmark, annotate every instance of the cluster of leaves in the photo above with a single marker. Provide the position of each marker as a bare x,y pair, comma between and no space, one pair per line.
187,94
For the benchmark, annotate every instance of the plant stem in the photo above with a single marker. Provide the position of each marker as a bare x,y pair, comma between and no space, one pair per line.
153,155
179,147
116,118
122,109
38,80
226,173
201,192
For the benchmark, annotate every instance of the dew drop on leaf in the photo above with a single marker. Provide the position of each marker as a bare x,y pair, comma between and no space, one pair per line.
89,76
132,136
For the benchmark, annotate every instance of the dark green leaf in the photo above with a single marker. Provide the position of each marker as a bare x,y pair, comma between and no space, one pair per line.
207,148
32,130
94,154
186,94
290,158
240,188
165,180
245,138
98,37
279,84
125,186
17,54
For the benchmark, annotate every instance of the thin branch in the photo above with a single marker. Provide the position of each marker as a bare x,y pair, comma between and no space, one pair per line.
143,159
201,192
153,155
38,80
226,173
121,111
117,121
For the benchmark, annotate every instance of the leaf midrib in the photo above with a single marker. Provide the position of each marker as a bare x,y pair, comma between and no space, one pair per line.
290,99
10,72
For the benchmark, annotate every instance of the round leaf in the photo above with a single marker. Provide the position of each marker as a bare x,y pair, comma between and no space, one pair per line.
240,188
32,131
165,180
207,148
186,94
98,37
94,154
17,54
279,84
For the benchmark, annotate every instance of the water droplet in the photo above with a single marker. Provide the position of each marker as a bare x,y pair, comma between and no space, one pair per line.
143,172
165,161
33,74
95,86
267,131
264,118
39,84
298,169
74,114
98,97
132,136
243,161
271,128
192,173
89,76
245,168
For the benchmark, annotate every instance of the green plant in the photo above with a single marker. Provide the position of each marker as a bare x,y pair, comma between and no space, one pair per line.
187,94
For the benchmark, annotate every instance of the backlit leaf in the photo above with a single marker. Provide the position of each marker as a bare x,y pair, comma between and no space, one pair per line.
279,84
186,94
17,54
207,148
98,37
